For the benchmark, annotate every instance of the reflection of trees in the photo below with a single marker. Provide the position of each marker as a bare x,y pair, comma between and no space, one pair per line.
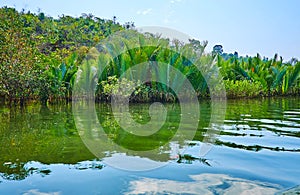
134,142
19,171
48,135
261,116
255,148
42,134
189,159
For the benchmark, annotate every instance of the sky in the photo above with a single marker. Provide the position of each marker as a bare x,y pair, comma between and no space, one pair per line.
246,26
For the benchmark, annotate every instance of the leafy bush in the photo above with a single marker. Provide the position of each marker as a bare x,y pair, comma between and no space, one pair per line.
243,88
122,88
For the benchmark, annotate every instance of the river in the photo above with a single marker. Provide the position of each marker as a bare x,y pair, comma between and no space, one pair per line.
55,150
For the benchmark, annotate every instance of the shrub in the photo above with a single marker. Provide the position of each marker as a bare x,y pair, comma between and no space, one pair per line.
242,88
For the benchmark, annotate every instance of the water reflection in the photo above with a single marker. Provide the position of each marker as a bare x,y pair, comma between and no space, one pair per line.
252,125
37,192
189,159
46,135
21,170
272,124
202,184
34,139
101,131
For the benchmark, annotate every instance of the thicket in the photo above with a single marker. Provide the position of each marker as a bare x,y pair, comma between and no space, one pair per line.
40,58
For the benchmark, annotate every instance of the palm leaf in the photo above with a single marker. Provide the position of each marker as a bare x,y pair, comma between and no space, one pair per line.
294,75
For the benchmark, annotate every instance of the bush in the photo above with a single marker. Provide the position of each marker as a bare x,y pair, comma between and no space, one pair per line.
242,88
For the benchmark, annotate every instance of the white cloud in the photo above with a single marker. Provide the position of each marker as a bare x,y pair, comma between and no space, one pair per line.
37,192
202,184
144,12
175,1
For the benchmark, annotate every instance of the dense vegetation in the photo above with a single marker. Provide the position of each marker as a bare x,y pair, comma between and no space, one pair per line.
253,76
40,57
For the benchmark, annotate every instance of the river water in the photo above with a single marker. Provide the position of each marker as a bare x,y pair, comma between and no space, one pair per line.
55,150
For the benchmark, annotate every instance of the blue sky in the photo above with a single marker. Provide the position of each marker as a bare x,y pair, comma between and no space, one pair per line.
247,26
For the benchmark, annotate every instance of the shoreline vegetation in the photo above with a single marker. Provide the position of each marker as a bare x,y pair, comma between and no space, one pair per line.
41,57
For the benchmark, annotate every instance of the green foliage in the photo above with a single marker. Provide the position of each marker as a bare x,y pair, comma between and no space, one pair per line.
20,60
37,52
116,87
140,57
242,88
274,76
41,56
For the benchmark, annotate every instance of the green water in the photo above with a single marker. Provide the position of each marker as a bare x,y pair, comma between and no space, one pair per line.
55,150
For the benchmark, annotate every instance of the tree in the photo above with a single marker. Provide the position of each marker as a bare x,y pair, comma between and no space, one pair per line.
218,49
19,58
